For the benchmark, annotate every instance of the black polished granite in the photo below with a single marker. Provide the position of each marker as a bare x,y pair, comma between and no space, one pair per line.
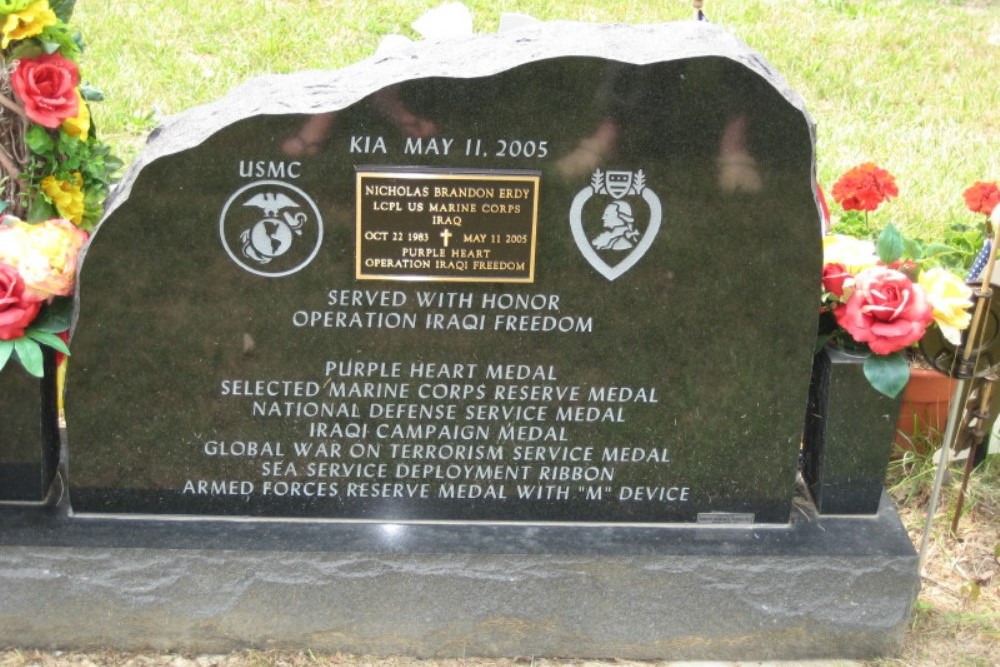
848,436
806,534
235,354
817,588
29,441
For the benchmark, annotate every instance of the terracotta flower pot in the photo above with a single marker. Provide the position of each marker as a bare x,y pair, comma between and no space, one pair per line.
924,411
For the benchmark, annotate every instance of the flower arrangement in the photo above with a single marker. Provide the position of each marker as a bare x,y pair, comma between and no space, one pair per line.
882,291
54,176
983,198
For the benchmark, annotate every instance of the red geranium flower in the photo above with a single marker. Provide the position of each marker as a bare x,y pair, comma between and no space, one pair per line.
864,187
982,197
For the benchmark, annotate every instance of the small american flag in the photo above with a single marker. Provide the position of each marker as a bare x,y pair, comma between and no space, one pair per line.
977,267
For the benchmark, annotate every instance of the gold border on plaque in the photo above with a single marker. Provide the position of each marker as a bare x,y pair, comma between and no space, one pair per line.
446,175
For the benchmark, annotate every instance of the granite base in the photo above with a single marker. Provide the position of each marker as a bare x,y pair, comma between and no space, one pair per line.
819,587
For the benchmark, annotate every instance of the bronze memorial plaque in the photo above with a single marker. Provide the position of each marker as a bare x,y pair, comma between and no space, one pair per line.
446,226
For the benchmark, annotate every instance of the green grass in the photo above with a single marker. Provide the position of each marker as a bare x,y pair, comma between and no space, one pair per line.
909,84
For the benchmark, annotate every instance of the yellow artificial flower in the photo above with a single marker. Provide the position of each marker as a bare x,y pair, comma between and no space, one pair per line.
67,197
26,23
950,298
79,125
855,254
44,254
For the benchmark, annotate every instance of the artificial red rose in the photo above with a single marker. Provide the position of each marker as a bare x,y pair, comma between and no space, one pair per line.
17,310
864,187
982,197
834,277
887,310
47,87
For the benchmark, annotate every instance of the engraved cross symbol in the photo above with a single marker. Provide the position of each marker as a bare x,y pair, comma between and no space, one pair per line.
446,234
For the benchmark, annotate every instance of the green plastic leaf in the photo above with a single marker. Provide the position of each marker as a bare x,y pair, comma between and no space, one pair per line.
912,248
938,249
60,38
113,165
3,206
48,339
890,244
39,140
6,349
29,353
41,211
56,316
25,49
888,373
91,94
63,9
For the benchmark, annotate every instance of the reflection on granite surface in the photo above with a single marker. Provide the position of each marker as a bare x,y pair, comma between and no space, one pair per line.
714,319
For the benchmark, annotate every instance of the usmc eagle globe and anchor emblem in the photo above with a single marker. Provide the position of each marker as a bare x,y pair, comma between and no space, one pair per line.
271,228
271,237
621,239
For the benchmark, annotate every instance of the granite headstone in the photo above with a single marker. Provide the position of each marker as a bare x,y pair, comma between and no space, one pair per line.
566,274
528,290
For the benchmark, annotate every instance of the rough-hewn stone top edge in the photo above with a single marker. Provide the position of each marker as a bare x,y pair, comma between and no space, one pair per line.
318,91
